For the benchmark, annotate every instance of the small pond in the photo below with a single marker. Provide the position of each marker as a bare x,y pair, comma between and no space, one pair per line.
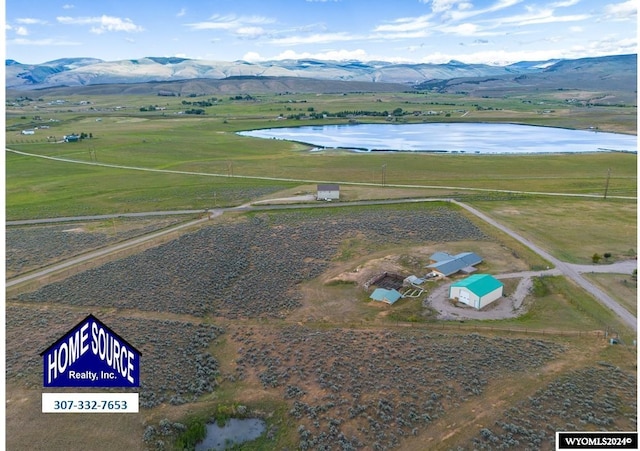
235,431
470,138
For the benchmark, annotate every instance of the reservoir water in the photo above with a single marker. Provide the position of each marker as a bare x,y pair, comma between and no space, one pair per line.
472,138
235,431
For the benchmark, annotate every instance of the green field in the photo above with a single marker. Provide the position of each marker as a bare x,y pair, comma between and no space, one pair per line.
210,160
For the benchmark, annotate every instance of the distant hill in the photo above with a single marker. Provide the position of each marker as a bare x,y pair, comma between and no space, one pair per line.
185,76
227,86
612,80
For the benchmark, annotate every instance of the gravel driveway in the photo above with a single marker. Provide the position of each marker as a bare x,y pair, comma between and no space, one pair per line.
509,306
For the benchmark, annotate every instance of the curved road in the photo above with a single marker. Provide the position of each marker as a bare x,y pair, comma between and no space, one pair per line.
573,272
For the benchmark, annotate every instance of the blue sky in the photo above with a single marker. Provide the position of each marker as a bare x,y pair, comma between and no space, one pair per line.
417,31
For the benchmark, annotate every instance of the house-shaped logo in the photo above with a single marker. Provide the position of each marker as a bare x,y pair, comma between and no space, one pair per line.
91,355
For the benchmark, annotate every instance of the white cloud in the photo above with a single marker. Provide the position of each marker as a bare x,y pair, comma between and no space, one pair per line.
41,42
625,10
102,24
438,6
535,15
68,6
564,4
405,24
323,38
333,55
31,21
252,57
22,31
229,22
462,14
182,12
465,29
250,32
596,47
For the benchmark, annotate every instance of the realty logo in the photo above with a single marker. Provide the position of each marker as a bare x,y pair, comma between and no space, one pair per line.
91,355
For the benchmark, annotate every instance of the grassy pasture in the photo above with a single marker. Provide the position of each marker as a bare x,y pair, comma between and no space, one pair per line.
209,145
621,287
571,229
123,135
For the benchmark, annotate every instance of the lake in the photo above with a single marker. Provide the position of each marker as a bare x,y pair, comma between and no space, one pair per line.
471,138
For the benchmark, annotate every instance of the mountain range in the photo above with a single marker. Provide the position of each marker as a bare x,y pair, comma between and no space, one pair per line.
617,73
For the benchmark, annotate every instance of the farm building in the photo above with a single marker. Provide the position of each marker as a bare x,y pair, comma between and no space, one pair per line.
28,132
329,191
384,295
413,280
71,138
477,290
445,264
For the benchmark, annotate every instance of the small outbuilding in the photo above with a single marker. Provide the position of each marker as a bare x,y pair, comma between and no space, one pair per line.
328,191
478,290
413,280
384,295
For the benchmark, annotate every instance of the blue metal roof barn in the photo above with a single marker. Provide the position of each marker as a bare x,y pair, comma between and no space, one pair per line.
453,264
384,295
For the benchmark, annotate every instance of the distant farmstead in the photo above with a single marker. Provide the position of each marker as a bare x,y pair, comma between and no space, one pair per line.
329,191
478,290
71,138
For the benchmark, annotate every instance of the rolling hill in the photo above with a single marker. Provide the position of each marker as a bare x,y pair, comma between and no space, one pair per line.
612,77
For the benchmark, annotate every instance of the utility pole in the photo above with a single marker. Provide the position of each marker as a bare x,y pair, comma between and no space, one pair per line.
606,186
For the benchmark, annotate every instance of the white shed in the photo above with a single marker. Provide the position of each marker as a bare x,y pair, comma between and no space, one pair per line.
478,290
328,191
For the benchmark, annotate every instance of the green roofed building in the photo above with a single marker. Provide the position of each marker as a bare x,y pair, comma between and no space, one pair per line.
384,295
478,290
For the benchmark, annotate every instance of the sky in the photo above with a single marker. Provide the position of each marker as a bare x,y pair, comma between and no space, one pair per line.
411,31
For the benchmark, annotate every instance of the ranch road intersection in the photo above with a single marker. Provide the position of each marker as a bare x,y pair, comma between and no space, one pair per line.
573,272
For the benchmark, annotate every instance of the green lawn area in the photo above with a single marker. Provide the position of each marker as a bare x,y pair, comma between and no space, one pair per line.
619,286
556,304
571,229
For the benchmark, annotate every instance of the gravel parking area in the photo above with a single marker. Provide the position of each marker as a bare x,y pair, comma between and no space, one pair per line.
508,306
